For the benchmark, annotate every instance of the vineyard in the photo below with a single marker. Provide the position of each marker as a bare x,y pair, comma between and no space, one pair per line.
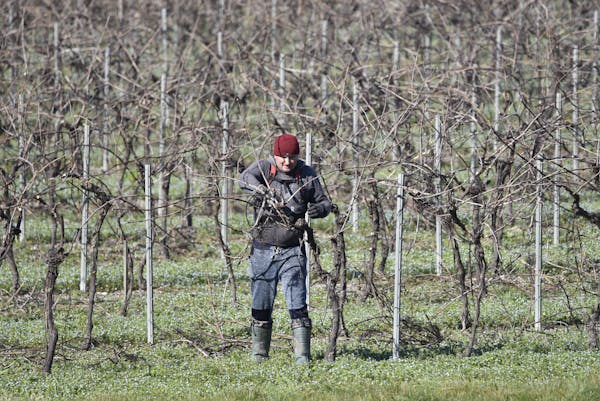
459,142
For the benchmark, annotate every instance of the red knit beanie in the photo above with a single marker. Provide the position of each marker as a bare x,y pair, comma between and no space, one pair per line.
286,144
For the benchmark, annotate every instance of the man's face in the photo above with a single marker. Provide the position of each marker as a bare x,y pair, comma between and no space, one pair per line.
287,162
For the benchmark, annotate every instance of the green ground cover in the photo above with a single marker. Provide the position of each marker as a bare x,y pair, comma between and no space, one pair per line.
202,340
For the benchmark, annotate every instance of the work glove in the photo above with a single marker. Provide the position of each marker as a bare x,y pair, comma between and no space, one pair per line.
315,210
258,196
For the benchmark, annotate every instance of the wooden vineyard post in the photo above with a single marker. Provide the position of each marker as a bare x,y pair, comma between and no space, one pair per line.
149,238
162,194
22,178
575,115
105,135
398,265
324,28
498,55
595,87
395,117
356,147
163,174
473,139
225,179
538,246
282,88
85,209
306,243
557,164
437,188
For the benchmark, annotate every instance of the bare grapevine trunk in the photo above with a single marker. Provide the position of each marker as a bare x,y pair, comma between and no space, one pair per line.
452,223
464,293
228,260
226,253
9,255
6,251
504,169
140,274
383,238
54,258
594,319
370,288
166,187
104,208
337,300
128,270
337,276
481,272
128,280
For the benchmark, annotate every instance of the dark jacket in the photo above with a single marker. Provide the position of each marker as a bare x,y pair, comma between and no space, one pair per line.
275,226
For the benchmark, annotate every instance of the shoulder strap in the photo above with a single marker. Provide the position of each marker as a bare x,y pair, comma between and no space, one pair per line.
273,173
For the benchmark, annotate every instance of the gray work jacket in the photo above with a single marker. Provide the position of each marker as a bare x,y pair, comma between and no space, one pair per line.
296,190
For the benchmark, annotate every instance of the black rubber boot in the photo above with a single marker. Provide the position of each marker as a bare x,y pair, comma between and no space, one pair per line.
261,339
301,329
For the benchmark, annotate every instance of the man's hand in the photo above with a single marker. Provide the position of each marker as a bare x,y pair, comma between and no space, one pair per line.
315,210
258,196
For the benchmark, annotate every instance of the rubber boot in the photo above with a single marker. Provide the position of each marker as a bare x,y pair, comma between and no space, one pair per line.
301,329
261,339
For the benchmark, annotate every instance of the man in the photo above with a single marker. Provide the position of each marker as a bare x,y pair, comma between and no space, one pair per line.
283,190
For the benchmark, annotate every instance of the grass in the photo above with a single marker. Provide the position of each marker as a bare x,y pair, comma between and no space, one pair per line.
175,371
201,349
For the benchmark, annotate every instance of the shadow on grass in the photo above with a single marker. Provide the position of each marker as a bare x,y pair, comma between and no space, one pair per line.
415,352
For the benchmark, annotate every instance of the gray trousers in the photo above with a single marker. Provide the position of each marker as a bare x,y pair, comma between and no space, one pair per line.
268,265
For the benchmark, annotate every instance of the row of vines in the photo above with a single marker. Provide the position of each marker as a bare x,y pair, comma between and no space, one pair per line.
482,106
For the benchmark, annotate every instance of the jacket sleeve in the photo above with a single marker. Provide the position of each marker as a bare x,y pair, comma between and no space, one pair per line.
318,195
254,176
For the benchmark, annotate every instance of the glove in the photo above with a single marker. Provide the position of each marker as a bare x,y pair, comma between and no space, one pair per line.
258,196
315,210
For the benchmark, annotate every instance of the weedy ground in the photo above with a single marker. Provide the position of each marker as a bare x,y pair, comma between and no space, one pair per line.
202,340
